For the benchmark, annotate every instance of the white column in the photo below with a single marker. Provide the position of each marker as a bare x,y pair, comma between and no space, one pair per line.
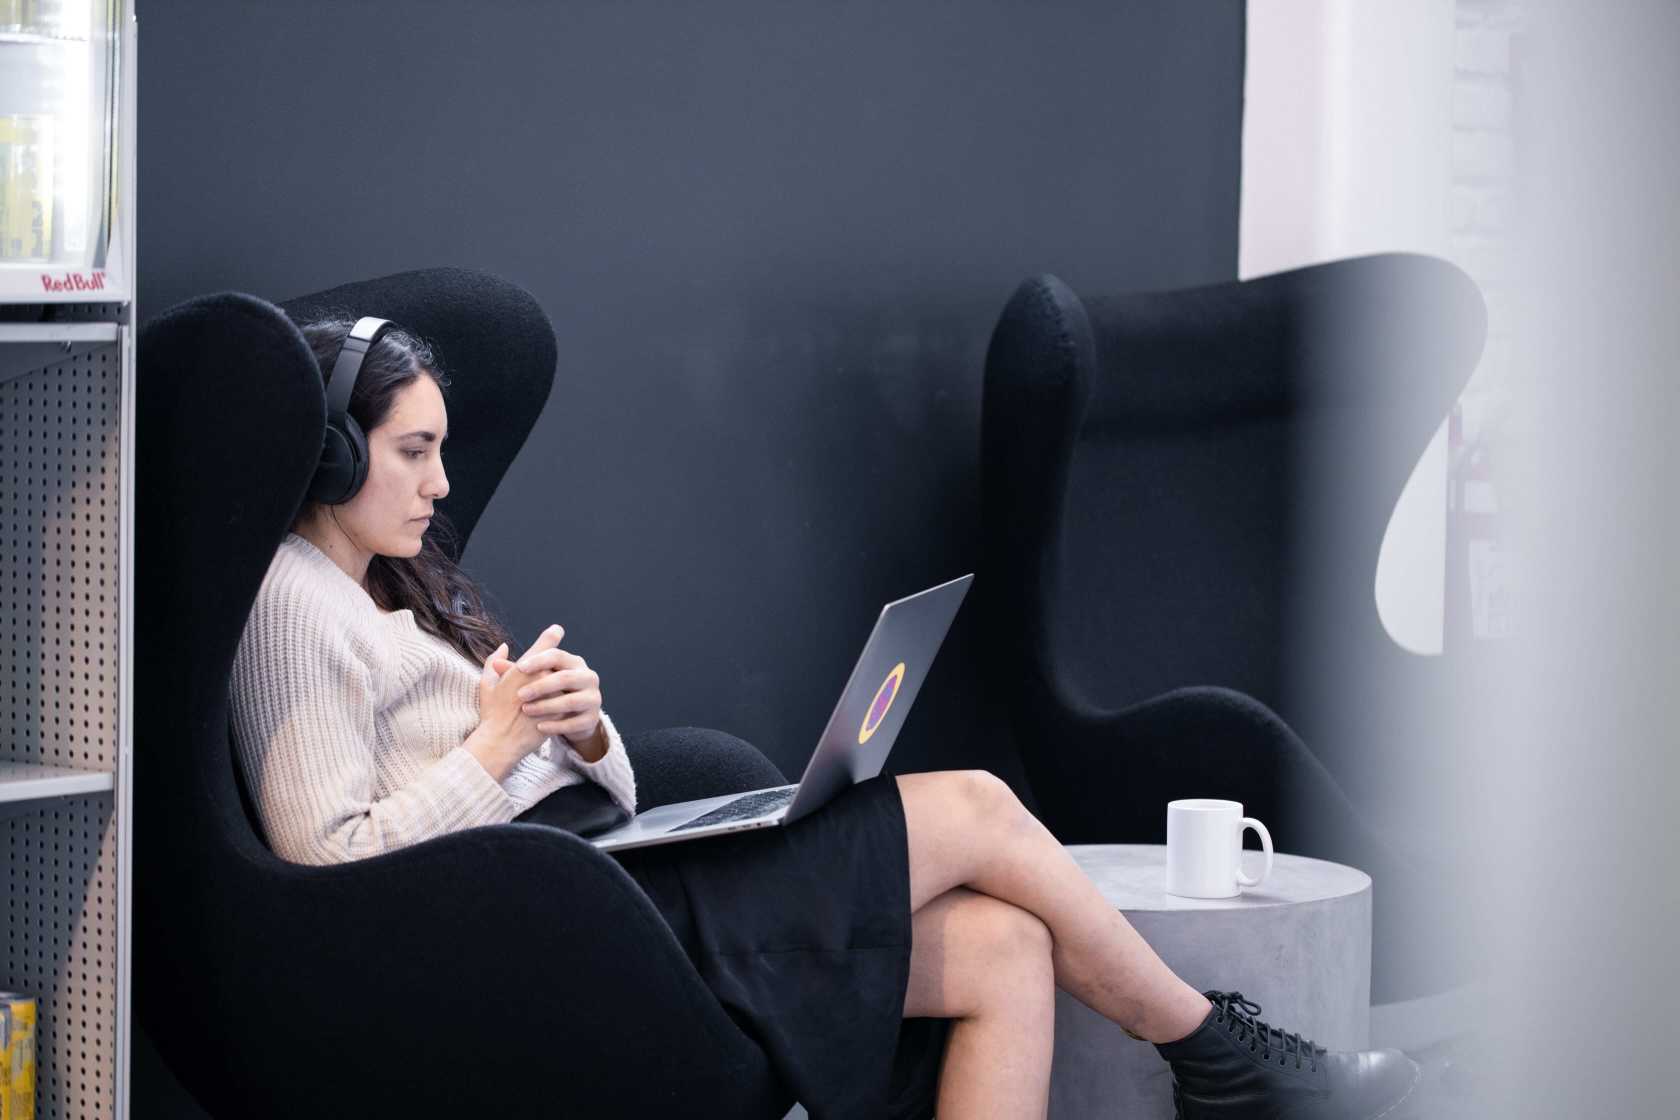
1347,149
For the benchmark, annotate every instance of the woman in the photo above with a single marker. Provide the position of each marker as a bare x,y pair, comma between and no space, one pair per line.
941,898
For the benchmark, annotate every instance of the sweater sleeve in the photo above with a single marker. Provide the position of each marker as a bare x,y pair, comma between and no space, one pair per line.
302,704
611,771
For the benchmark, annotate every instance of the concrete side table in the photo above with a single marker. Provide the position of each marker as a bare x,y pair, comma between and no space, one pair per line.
1299,945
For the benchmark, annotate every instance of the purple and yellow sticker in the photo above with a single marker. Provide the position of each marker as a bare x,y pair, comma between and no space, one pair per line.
884,697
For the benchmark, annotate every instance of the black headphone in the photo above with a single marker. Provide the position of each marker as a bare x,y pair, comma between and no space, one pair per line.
344,451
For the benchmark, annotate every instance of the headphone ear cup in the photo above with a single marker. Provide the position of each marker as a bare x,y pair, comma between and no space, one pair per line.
358,457
343,466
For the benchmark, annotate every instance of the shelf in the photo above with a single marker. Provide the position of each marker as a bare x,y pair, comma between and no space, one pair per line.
26,787
23,781
36,39
58,332
27,347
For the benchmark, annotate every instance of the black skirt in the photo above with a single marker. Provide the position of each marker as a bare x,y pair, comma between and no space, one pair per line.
803,934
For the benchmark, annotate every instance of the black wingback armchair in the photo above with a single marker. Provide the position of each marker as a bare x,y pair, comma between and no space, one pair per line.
1190,488
510,970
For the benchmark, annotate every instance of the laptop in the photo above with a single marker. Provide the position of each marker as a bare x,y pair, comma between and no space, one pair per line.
854,745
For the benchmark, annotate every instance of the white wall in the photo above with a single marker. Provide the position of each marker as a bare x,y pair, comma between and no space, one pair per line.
1347,150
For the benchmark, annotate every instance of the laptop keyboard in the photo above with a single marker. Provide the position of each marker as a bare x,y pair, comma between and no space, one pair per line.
743,808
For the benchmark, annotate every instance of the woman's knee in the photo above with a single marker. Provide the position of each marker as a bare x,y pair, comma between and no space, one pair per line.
987,796
1013,947
958,821
1014,935
975,953
993,944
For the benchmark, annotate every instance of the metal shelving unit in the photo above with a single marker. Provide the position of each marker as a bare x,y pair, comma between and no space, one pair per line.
67,316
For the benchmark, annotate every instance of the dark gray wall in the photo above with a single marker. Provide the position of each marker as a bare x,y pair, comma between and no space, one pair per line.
773,238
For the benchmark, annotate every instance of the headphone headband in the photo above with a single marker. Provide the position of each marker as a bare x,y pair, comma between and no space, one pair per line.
348,366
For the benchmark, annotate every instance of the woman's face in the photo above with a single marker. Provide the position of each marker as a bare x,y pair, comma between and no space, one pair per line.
405,475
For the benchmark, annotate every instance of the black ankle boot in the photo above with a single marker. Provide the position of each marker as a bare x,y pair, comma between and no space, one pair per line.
1236,1067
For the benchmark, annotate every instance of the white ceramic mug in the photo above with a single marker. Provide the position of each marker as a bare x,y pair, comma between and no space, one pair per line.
1204,848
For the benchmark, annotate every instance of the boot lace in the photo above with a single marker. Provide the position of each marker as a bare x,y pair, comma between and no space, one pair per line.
1260,1035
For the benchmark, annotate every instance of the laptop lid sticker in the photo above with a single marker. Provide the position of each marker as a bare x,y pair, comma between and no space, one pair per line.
883,702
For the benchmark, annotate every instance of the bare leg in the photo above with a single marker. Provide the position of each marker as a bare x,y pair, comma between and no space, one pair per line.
967,829
986,964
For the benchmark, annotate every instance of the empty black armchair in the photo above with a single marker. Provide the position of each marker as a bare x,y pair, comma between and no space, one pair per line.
511,970
1190,488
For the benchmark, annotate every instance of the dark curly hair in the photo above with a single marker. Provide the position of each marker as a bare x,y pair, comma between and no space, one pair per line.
445,600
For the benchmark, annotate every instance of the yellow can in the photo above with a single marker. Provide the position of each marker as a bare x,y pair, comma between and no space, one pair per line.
5,1066
17,1056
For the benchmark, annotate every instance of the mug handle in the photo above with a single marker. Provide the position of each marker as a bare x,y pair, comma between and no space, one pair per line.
1265,843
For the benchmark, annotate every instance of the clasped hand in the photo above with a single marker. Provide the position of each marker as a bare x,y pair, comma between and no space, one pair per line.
557,691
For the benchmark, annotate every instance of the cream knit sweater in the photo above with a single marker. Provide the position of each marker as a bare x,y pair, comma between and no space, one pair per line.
349,724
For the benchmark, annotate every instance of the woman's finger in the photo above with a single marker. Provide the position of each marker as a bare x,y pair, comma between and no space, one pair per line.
556,659
562,704
547,640
565,680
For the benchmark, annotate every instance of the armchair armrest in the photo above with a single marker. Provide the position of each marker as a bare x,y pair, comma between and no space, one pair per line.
685,763
1219,739
1207,742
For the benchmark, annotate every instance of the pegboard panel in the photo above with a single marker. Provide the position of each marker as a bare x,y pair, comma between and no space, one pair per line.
60,564
61,947
63,313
